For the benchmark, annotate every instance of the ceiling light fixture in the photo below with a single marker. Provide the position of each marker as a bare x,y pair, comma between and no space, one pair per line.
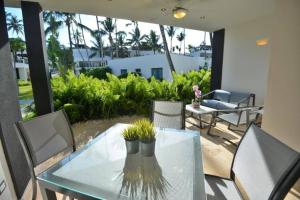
179,12
262,42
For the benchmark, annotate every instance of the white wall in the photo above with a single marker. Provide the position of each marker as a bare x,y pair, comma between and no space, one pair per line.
282,104
245,65
9,192
23,70
145,63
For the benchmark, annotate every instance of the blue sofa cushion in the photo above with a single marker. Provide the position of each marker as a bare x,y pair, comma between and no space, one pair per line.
225,106
236,97
210,103
219,105
222,95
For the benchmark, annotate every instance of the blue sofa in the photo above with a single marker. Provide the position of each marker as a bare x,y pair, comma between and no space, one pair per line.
222,99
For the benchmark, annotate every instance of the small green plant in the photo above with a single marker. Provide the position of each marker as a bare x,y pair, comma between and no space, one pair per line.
145,130
23,83
130,133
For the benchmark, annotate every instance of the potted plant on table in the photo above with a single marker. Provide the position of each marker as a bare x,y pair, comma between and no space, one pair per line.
131,137
197,100
146,134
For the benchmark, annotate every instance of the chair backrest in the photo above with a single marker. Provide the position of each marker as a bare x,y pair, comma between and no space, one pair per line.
221,95
236,97
262,163
168,114
46,136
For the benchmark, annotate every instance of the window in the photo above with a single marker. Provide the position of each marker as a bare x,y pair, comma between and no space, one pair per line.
138,71
123,71
157,73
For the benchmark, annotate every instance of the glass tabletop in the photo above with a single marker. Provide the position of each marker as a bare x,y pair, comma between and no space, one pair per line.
103,169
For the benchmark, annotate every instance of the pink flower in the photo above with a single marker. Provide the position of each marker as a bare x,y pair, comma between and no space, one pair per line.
195,88
198,93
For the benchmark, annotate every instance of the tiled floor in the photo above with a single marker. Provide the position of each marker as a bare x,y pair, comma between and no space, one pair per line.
217,153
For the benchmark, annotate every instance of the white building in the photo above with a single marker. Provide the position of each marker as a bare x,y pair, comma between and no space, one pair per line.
155,65
81,57
22,67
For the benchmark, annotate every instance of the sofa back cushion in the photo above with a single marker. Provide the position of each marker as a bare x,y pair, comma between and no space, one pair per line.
236,97
222,95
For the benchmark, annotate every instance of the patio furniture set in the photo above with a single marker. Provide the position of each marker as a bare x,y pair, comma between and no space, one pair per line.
262,168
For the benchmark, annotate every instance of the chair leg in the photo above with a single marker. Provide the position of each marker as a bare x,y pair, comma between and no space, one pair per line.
34,189
234,130
212,122
200,120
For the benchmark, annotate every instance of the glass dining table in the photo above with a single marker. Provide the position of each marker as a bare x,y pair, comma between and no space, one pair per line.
103,170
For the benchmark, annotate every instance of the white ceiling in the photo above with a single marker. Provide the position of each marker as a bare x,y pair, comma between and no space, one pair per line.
218,13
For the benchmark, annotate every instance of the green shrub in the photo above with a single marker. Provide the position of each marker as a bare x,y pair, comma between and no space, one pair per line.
99,73
23,83
73,111
29,115
96,98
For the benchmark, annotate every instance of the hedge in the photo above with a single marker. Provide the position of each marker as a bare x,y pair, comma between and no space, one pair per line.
85,97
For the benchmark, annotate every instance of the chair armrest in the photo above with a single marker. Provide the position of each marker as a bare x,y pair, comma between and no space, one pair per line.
204,95
234,110
247,98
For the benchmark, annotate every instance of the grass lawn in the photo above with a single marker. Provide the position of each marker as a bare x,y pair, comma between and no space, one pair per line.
25,92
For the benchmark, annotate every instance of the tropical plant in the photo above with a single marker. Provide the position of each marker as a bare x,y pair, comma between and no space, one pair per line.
83,37
109,27
171,33
97,48
180,38
145,130
77,37
131,133
14,24
124,96
152,40
167,52
99,73
69,19
121,36
54,51
136,39
53,23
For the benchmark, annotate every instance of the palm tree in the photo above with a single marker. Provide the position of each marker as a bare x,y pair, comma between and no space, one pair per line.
121,35
136,39
117,45
77,38
97,39
162,32
53,26
180,38
184,42
109,26
152,40
100,34
171,33
15,25
83,37
69,19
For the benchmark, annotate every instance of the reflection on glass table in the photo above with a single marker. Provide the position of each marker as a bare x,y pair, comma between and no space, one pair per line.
103,170
142,178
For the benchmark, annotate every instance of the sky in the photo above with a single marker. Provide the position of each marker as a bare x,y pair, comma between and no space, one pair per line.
193,37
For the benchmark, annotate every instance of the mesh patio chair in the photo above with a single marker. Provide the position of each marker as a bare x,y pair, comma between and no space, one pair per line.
237,117
168,114
263,168
44,137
